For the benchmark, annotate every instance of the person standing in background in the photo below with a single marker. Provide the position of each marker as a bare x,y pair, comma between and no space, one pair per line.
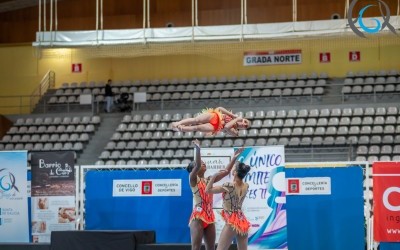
109,96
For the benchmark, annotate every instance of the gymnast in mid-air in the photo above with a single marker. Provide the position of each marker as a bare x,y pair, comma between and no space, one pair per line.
212,121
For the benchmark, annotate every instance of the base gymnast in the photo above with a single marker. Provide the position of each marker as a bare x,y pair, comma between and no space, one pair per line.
233,193
212,121
202,219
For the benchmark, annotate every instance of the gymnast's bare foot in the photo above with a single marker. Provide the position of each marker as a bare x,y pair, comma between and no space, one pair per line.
175,126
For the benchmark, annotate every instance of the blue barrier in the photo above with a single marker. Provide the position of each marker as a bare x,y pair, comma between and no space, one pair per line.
167,215
328,222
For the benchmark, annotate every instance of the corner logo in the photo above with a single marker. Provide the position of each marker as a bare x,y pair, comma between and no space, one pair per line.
385,12
7,181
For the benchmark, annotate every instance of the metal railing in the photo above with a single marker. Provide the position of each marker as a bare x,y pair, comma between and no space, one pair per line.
48,81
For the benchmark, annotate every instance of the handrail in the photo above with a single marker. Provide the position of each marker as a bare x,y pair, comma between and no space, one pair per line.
48,81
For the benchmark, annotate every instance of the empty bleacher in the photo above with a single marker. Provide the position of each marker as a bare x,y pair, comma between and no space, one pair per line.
161,92
283,109
50,133
369,132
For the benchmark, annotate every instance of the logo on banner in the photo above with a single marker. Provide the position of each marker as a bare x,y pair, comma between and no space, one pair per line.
309,186
294,186
146,187
385,199
7,181
385,12
56,169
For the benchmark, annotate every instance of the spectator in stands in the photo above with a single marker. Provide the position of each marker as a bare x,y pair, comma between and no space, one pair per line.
109,96
212,121
233,193
202,219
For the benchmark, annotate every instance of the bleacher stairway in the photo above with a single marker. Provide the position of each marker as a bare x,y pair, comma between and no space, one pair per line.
99,140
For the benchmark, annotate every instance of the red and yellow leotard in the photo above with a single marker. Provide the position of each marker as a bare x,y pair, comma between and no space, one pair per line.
218,120
203,202
232,208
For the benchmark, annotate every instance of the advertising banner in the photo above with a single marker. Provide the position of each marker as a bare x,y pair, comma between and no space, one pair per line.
264,205
266,199
159,200
53,190
14,225
325,208
386,179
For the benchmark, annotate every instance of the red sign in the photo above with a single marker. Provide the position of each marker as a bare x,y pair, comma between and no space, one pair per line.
325,57
386,179
293,186
354,56
76,67
147,187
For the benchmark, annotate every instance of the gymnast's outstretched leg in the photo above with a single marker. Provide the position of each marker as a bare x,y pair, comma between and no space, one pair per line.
198,120
225,238
196,234
209,237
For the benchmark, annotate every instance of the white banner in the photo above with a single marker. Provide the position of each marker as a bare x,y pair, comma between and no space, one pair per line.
14,225
155,187
266,178
309,186
277,57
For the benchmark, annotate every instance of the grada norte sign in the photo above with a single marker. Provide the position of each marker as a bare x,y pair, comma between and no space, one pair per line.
276,57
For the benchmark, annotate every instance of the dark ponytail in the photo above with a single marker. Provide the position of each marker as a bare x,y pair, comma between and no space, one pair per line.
242,170
190,166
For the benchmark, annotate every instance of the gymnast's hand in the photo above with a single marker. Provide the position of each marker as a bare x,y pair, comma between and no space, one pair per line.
196,143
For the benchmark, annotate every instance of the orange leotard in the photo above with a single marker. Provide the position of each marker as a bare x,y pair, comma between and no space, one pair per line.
202,209
218,120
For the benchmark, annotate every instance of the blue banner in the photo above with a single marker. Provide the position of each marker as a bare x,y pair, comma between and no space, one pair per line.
140,200
389,246
326,215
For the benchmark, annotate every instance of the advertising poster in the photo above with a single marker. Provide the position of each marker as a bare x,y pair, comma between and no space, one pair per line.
386,179
14,226
53,193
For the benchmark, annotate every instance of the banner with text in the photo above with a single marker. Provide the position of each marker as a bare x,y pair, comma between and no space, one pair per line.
308,186
277,57
325,208
264,205
386,179
53,193
140,200
14,225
